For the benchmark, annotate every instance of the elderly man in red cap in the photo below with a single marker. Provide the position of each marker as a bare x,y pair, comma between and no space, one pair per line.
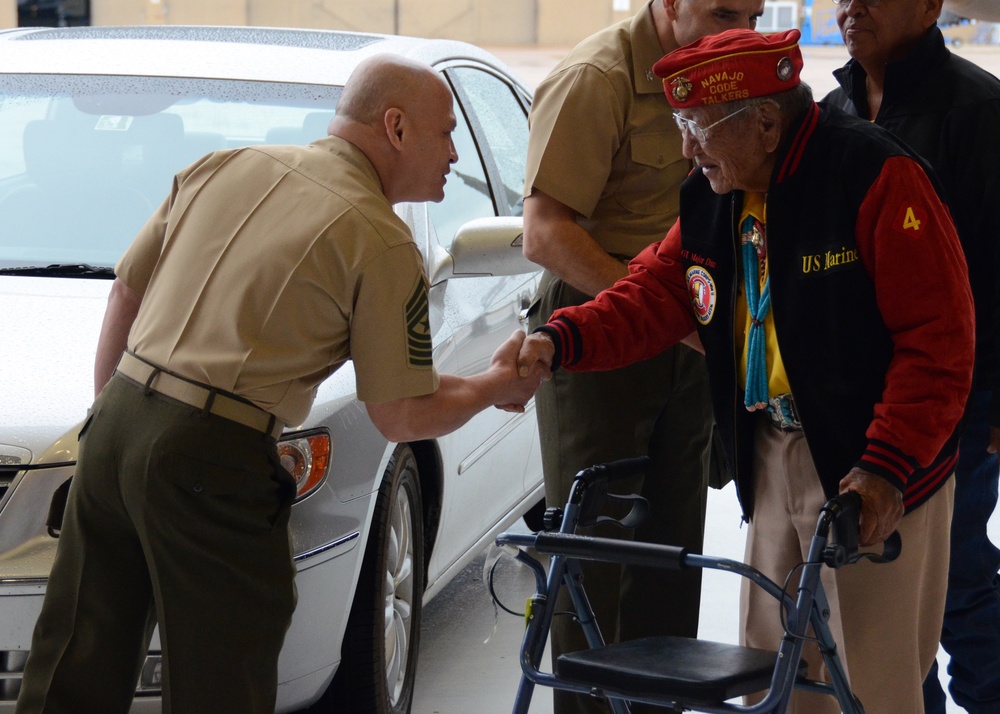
824,277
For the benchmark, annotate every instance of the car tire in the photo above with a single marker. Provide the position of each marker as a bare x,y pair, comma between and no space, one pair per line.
379,657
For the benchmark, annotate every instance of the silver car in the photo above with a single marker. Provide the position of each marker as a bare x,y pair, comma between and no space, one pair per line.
94,123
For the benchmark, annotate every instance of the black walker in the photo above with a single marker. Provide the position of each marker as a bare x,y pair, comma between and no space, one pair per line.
684,673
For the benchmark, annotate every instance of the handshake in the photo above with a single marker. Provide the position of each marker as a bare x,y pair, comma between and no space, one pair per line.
519,365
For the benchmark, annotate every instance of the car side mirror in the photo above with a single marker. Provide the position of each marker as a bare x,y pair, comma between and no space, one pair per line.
487,246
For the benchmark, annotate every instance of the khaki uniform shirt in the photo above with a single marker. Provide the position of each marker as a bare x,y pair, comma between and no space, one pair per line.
268,267
603,141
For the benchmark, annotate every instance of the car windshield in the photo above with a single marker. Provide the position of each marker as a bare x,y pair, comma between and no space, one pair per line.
85,160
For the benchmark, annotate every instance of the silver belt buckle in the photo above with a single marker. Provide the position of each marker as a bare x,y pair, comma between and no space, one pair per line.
783,413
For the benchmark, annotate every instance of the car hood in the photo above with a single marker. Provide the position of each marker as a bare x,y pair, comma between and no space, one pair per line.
51,326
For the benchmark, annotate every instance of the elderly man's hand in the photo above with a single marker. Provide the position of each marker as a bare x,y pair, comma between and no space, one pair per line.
881,505
536,355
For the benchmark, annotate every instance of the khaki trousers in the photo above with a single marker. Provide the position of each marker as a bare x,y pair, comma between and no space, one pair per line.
886,617
177,518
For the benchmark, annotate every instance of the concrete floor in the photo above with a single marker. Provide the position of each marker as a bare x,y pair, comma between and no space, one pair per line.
469,649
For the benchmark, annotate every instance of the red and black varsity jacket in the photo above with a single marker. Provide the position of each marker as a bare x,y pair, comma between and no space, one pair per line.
870,297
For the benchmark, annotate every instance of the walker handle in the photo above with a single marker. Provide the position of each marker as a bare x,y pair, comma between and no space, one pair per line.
842,513
615,470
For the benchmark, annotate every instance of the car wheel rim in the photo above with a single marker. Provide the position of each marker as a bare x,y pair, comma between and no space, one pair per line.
398,593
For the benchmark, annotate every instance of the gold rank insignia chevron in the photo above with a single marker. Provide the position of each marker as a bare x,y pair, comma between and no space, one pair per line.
418,330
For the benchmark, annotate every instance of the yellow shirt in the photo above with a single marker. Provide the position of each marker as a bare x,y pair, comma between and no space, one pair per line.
268,267
777,380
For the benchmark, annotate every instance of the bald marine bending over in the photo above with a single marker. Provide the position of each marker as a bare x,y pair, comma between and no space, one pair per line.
265,270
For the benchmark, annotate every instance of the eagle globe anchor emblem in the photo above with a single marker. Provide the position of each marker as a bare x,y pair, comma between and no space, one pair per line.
681,89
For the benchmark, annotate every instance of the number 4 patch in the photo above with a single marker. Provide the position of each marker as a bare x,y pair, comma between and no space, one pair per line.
911,220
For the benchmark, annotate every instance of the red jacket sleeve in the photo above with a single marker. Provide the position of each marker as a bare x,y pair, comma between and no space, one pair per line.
910,248
637,318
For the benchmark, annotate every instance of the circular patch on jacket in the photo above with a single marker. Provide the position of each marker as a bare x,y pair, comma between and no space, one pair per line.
703,293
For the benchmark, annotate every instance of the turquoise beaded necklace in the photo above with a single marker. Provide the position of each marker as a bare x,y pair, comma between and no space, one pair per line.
758,303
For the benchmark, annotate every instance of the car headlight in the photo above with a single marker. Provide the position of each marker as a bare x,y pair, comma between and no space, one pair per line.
307,458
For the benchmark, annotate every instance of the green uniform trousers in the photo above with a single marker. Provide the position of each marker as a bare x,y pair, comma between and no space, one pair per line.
176,517
660,408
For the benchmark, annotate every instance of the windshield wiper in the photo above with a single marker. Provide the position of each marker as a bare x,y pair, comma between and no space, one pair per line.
71,270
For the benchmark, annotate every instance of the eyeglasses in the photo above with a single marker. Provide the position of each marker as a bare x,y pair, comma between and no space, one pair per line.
687,126
866,3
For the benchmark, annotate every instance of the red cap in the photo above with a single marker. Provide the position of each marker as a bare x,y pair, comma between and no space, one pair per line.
733,65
